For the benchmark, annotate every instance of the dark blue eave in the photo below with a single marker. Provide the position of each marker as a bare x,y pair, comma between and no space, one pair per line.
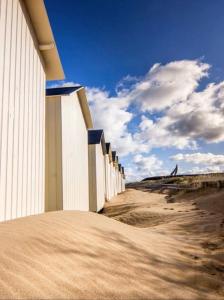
107,147
95,136
61,90
113,155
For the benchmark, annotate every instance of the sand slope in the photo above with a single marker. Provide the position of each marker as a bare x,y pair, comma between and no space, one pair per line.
77,255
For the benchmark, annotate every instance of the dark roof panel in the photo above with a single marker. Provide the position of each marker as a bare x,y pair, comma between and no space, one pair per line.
108,147
62,90
96,136
114,155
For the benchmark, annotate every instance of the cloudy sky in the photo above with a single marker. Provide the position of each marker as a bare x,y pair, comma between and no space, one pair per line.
154,74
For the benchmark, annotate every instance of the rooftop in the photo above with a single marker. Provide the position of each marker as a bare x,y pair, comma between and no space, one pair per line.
62,90
45,39
96,136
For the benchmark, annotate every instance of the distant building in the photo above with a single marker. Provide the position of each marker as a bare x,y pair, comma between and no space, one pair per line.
67,122
28,56
97,150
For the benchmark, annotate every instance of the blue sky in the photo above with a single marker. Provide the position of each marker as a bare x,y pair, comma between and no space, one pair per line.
111,46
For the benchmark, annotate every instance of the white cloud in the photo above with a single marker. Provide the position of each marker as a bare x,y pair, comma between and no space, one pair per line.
204,170
145,166
112,115
199,117
208,159
156,134
165,85
172,112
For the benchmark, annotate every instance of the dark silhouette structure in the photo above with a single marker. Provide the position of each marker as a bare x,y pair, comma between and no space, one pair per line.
174,172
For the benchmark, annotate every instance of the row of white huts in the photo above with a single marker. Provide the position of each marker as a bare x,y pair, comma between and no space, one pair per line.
51,158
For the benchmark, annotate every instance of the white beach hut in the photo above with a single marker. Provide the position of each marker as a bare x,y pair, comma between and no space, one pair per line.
113,179
114,173
123,180
117,174
97,150
67,122
28,56
119,179
108,172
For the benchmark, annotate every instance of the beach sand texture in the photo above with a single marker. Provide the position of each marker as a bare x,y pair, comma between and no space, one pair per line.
177,253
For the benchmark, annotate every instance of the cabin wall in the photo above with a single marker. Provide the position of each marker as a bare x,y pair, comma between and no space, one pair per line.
53,162
107,178
92,178
117,180
100,173
111,181
96,177
74,155
114,181
123,184
22,116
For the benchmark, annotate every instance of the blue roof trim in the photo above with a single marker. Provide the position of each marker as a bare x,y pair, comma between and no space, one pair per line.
96,136
108,147
62,90
113,155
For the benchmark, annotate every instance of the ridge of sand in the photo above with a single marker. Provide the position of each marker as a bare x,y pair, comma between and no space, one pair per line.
82,255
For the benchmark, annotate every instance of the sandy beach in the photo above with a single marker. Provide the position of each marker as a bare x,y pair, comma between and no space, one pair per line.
164,251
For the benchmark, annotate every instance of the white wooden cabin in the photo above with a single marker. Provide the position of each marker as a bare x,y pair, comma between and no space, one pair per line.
114,173
119,179
28,56
117,174
67,122
108,172
97,150
123,180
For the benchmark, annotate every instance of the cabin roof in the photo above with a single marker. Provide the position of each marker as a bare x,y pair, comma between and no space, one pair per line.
114,156
96,136
45,39
108,147
59,91
68,90
109,152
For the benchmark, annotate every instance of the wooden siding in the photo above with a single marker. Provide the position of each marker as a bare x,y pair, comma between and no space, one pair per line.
107,178
96,177
67,155
117,179
119,182
123,184
114,181
22,116
112,188
53,163
74,155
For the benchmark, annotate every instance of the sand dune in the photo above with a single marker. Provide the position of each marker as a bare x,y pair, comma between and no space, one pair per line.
77,255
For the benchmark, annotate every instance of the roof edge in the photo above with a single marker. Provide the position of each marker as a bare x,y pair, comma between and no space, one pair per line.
39,20
85,107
